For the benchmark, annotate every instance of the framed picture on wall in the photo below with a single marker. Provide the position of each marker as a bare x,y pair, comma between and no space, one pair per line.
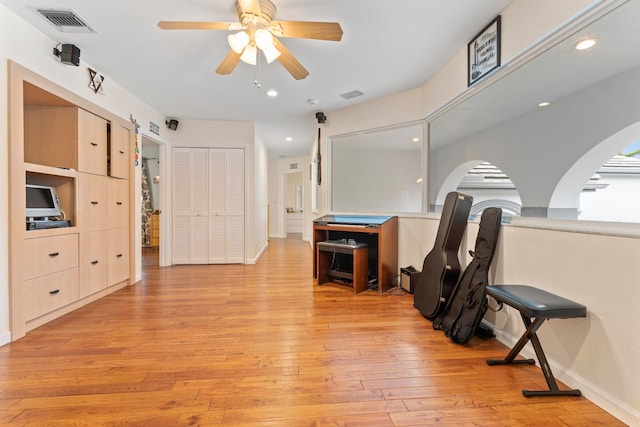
483,52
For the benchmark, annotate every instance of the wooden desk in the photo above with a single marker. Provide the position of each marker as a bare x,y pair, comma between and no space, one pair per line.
380,233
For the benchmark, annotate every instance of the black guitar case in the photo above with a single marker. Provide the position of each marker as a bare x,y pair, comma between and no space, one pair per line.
441,266
468,302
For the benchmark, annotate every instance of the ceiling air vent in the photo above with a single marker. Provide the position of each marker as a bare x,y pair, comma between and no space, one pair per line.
352,94
66,21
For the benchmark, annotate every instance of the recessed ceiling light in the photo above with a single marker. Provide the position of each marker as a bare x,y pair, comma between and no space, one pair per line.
272,93
544,104
585,44
289,139
415,139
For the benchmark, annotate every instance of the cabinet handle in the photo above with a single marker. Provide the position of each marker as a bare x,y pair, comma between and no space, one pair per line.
118,203
121,152
54,292
93,202
94,262
94,144
54,254
119,256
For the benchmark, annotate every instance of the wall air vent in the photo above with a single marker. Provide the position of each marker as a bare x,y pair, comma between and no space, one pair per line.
66,21
352,94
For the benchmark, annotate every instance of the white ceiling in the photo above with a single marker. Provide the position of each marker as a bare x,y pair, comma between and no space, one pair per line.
387,47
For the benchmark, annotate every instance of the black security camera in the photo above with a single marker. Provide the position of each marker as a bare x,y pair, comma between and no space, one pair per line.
321,117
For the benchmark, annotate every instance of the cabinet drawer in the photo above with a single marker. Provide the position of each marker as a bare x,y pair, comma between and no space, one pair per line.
50,292
48,255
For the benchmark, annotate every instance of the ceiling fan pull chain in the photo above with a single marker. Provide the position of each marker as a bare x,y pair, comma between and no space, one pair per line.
257,80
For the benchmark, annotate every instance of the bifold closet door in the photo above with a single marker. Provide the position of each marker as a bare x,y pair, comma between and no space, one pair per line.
208,206
190,205
226,206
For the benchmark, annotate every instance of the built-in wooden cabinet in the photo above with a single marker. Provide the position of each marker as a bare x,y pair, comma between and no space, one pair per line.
59,140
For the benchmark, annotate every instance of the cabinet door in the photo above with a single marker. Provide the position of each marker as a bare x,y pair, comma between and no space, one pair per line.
93,262
92,143
93,207
117,255
119,152
117,203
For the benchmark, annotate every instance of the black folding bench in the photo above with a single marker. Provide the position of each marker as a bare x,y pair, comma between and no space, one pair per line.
535,306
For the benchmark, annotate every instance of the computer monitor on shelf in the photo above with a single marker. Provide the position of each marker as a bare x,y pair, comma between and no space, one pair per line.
42,203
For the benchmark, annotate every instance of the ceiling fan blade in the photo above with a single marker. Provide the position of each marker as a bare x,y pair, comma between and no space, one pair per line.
290,62
194,25
229,63
308,30
250,6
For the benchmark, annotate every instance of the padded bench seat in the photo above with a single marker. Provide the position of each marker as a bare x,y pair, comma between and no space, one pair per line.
535,306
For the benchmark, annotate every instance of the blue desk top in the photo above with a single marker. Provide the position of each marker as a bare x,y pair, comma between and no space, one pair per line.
352,219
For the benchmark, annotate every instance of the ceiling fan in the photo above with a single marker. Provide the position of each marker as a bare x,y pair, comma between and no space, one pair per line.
257,31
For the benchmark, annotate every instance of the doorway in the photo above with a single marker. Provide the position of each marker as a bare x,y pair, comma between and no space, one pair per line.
150,196
294,204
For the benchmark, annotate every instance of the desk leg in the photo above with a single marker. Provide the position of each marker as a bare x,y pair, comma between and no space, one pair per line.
323,259
360,269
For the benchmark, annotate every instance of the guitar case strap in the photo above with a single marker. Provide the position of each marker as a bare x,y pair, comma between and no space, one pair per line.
441,266
468,303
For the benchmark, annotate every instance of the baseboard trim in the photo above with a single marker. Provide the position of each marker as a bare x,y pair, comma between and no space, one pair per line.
606,401
5,338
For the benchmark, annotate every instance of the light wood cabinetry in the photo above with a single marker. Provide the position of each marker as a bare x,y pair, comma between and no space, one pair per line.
92,143
93,262
119,154
57,139
51,254
92,208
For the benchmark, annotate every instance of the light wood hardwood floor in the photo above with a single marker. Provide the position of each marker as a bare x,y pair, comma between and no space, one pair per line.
261,345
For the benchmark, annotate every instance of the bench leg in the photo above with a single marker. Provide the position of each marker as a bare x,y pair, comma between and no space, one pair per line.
530,335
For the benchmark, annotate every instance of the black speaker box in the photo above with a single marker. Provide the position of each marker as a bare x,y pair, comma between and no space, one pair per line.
70,54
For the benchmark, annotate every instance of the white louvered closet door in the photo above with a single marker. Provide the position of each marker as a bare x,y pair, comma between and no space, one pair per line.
208,206
218,207
199,180
235,206
181,204
226,206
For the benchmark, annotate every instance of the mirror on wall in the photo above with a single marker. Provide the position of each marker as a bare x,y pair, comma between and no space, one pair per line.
378,171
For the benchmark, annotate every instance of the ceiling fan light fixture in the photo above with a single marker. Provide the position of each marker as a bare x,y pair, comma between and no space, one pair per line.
271,53
238,41
263,38
249,55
